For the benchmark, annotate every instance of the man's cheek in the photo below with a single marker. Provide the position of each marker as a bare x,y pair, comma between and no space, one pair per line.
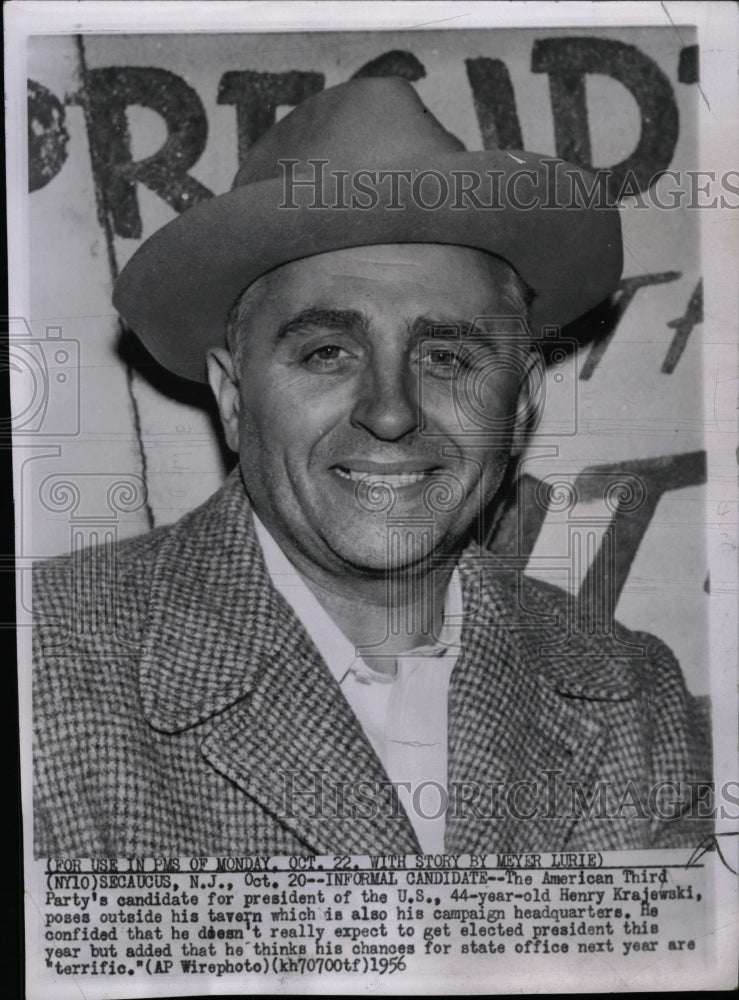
469,415
439,413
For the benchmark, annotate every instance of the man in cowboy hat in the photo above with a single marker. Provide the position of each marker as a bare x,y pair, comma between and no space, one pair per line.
321,658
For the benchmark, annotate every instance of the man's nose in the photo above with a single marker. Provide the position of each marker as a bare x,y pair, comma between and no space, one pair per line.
387,403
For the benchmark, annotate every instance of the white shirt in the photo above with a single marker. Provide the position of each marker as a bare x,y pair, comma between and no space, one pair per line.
404,716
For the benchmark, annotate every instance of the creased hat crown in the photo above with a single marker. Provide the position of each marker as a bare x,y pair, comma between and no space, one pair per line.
358,125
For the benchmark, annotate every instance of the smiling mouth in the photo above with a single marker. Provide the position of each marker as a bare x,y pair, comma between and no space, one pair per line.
395,479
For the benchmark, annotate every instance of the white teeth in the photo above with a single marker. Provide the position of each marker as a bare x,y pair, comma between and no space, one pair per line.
382,478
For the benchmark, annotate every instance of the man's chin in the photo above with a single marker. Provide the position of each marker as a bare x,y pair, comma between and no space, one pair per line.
402,547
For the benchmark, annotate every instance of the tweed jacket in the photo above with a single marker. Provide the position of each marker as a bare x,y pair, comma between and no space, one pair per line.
180,708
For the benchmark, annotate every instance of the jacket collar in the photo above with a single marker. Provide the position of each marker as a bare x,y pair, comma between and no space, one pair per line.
214,620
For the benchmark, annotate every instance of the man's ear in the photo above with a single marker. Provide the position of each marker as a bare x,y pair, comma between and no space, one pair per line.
225,388
527,407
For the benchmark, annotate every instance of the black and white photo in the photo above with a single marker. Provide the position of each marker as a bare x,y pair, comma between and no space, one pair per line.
372,402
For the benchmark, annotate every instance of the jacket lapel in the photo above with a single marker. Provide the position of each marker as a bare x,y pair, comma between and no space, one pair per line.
224,651
517,735
295,747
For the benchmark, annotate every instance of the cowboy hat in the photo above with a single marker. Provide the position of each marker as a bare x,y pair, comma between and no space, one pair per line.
366,163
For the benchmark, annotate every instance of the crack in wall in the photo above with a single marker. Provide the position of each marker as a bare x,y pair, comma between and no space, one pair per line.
103,214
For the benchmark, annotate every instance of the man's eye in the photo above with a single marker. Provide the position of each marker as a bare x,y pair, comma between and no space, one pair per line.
442,357
328,353
443,362
327,357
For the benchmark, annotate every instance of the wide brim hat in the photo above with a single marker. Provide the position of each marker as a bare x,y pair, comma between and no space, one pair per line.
358,164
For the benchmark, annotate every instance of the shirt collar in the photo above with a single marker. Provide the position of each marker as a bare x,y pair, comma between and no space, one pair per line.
337,651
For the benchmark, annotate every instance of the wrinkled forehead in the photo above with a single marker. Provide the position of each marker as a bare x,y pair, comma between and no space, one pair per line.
426,275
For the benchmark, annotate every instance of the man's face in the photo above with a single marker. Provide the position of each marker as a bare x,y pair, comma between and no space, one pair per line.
363,399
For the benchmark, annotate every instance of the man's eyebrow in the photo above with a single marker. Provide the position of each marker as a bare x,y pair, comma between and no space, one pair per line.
428,326
307,320
485,328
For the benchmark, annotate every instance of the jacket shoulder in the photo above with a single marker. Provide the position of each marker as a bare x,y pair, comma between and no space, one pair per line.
581,629
129,555
579,632
79,593
586,655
